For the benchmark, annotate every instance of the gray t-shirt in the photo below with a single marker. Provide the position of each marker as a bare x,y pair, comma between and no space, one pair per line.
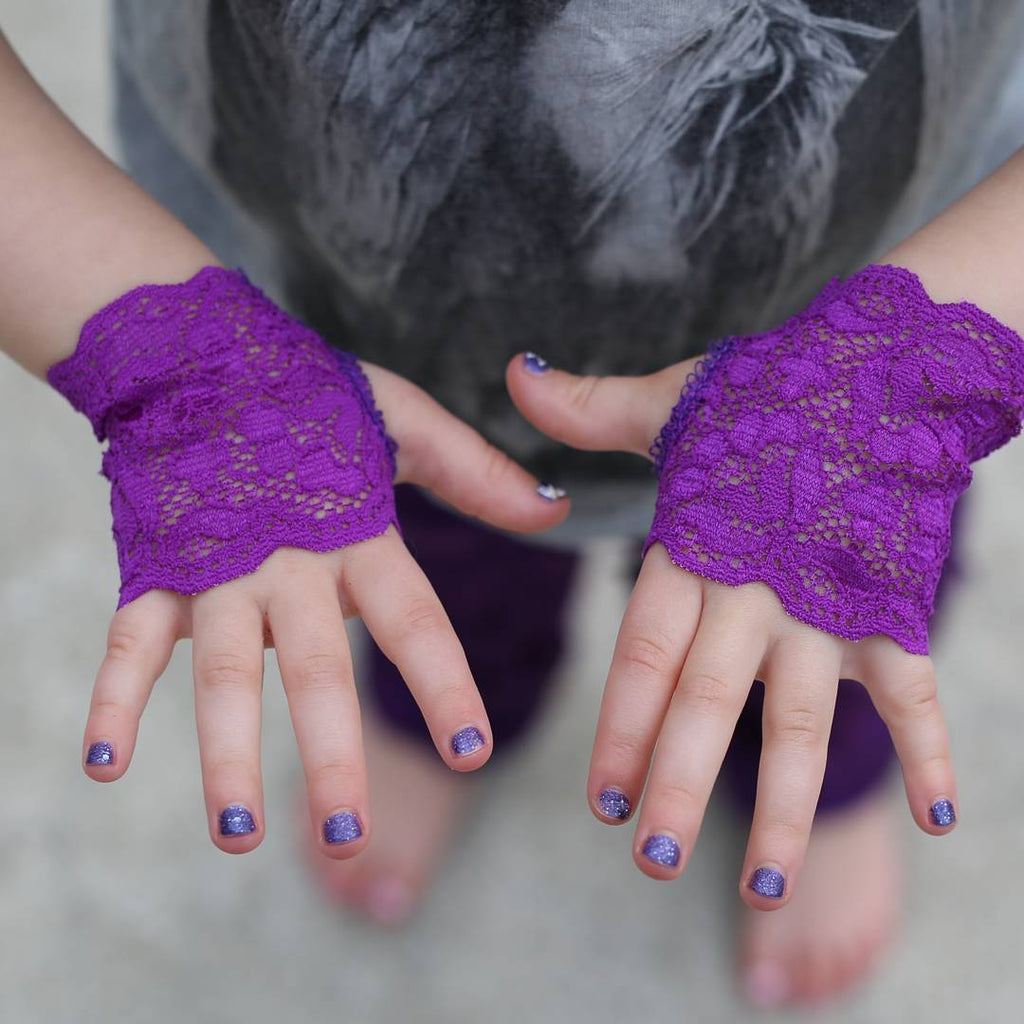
612,183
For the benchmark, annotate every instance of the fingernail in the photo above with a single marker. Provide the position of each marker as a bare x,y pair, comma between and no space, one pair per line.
613,803
467,740
768,882
536,364
549,492
942,813
100,753
662,850
236,820
766,985
342,827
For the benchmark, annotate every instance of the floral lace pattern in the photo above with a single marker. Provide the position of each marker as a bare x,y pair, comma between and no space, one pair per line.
233,430
824,457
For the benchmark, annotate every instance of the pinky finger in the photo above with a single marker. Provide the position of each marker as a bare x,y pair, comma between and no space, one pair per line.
139,644
903,689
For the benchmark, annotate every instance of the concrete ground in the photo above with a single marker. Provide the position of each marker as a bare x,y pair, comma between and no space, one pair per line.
114,905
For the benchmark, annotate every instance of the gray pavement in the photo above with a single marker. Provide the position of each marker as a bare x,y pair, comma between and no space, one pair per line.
114,905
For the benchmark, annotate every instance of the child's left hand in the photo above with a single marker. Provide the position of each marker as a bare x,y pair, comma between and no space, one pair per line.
687,654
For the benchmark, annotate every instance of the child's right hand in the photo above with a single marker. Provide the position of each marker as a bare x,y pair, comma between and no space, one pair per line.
252,497
295,601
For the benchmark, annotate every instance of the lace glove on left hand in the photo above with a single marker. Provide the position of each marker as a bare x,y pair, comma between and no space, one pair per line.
823,458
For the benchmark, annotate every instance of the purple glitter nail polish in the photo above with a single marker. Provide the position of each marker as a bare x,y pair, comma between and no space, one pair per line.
100,753
550,493
342,827
536,364
465,741
613,803
768,882
662,850
236,820
942,813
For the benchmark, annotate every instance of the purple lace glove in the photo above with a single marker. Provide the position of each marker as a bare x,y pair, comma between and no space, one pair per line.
234,430
823,458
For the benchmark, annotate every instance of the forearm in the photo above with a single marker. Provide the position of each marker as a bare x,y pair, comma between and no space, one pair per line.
75,230
974,250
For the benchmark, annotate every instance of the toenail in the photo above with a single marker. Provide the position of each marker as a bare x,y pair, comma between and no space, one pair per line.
389,901
613,803
342,827
942,813
467,740
100,753
768,882
766,985
236,820
663,850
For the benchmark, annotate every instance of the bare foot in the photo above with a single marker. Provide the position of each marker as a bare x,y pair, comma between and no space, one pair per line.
840,919
417,803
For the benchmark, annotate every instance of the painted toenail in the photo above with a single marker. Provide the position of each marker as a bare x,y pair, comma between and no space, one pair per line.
663,850
100,753
768,882
536,364
389,901
766,985
342,827
613,803
236,820
467,741
942,813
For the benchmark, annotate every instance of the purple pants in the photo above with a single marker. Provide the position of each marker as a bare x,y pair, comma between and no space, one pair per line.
508,601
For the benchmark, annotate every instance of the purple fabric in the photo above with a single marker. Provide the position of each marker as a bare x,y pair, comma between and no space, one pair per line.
824,457
508,601
233,430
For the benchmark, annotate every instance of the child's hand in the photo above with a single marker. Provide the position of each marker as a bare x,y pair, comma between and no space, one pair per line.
251,488
686,655
295,602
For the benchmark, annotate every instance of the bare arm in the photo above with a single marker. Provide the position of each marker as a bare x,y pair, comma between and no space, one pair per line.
75,230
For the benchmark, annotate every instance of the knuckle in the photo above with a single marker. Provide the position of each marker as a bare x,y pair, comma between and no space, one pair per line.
920,696
680,796
647,656
227,670
495,466
704,692
124,643
581,392
624,747
421,618
788,829
335,770
109,707
797,725
317,670
230,764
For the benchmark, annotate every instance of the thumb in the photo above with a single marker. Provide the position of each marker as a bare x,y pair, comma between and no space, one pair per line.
622,414
448,457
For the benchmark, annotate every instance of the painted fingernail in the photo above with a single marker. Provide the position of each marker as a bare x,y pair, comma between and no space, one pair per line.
342,827
549,492
536,364
236,820
100,753
613,803
942,813
768,882
467,740
662,850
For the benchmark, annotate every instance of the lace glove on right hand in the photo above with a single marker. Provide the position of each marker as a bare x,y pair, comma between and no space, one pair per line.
823,458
